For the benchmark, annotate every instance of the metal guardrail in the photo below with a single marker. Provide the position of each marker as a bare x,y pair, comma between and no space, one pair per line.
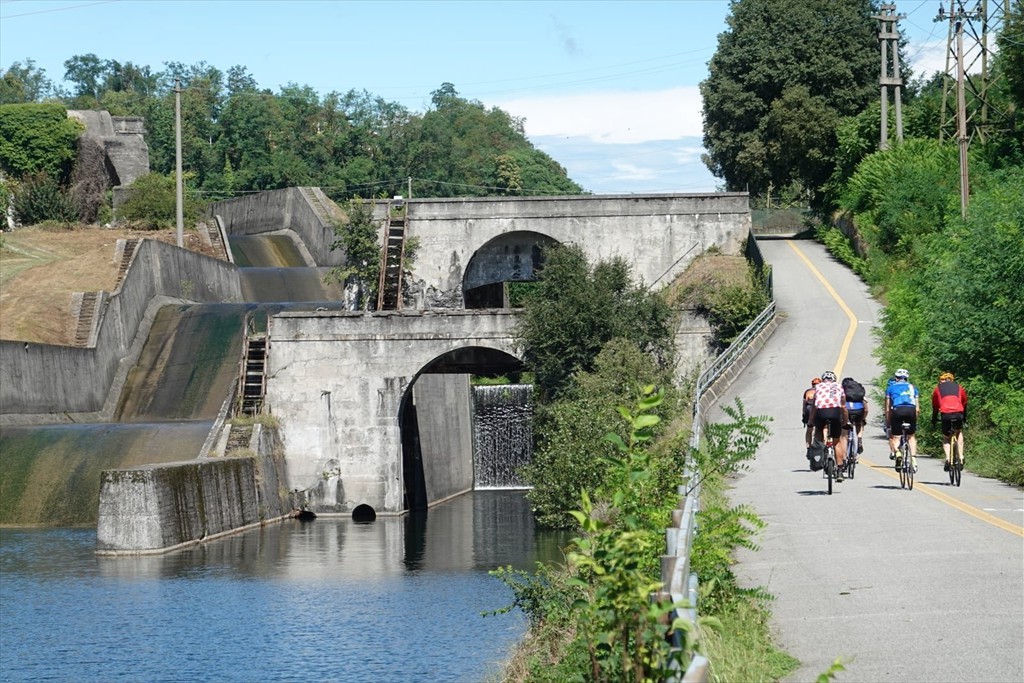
676,578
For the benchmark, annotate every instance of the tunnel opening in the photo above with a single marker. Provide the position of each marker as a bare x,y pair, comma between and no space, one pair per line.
436,419
495,269
363,513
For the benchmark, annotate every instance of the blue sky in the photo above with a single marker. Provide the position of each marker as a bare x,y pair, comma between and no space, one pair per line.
609,89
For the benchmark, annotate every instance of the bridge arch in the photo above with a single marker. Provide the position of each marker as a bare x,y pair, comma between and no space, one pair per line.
509,257
435,418
338,381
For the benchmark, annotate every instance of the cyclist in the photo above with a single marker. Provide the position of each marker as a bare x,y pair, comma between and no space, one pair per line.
901,405
830,408
856,408
808,401
950,399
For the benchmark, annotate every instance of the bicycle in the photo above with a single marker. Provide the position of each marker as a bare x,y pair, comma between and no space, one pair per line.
956,467
831,469
905,465
851,451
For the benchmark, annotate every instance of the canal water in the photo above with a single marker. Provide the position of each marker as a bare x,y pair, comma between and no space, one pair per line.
398,599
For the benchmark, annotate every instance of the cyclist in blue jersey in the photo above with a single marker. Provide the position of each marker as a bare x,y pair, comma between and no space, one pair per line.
902,405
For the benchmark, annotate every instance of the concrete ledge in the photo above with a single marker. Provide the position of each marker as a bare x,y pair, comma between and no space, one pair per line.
159,508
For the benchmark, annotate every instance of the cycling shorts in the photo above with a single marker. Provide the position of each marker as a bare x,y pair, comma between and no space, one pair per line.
951,422
898,416
856,417
834,418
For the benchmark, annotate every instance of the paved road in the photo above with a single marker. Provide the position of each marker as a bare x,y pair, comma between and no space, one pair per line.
922,585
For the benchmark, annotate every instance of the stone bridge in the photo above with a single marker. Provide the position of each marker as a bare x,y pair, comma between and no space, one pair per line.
468,245
344,385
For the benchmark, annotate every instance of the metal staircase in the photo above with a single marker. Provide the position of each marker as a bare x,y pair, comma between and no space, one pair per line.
252,383
392,258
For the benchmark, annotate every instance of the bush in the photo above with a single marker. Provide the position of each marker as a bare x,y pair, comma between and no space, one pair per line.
37,139
39,198
153,203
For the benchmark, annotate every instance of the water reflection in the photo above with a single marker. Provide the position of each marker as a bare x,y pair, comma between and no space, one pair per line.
398,599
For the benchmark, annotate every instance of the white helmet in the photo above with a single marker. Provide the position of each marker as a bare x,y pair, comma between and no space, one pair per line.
828,376
901,374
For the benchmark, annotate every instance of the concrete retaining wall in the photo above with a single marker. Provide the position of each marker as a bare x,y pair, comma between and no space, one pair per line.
49,383
293,209
157,508
444,412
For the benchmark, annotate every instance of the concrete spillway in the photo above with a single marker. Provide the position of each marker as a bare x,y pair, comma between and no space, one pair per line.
49,475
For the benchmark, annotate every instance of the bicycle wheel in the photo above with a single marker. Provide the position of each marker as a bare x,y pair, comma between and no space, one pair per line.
830,468
957,467
908,465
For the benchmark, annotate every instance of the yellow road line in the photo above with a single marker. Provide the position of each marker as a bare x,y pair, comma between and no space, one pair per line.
845,348
888,471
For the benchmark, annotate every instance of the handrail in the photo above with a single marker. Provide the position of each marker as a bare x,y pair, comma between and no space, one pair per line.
676,578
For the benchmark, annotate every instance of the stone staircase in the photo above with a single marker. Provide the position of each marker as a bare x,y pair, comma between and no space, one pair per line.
216,242
312,195
130,245
88,304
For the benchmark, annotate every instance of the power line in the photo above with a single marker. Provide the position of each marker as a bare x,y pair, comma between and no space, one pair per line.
57,9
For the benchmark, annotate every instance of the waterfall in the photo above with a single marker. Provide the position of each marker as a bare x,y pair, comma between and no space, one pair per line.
502,434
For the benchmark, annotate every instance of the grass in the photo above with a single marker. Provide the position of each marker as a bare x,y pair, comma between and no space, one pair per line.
744,650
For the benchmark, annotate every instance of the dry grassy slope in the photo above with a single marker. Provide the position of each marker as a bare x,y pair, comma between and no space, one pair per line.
41,269
708,271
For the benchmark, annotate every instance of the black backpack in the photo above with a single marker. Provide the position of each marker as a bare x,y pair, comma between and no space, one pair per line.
853,389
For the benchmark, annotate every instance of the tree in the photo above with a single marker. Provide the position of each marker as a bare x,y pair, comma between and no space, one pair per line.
575,309
86,72
37,138
357,236
24,84
780,60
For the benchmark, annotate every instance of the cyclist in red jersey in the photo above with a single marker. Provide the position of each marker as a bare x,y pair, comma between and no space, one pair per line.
950,400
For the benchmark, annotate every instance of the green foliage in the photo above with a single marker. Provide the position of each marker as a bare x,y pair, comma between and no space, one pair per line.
830,673
728,305
952,285
357,236
39,198
569,454
771,105
900,194
839,246
153,204
37,138
625,630
574,310
24,83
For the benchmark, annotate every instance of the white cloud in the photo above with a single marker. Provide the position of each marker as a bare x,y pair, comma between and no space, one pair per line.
614,117
928,57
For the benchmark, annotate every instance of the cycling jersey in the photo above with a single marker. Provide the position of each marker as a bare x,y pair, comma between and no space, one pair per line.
829,395
949,397
901,393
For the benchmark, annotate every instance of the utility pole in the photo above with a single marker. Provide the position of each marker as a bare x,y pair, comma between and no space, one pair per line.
961,22
410,187
178,191
969,50
889,37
